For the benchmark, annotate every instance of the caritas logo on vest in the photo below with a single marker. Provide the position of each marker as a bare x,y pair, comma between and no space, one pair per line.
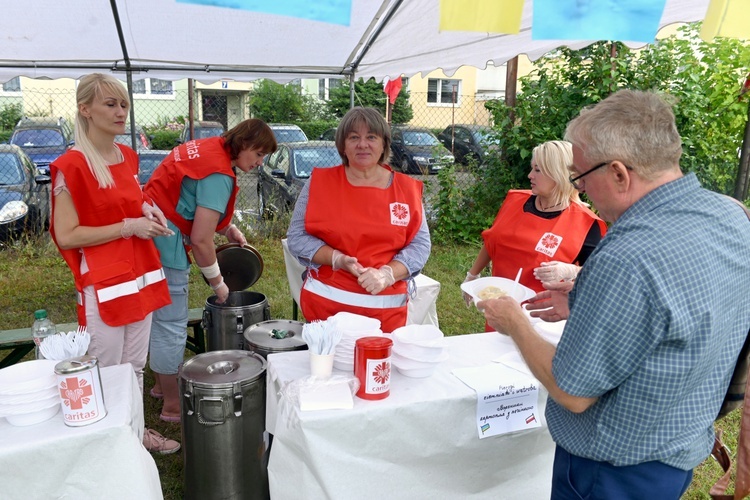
400,215
548,244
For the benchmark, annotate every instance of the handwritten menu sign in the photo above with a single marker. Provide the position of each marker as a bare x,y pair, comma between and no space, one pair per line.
507,401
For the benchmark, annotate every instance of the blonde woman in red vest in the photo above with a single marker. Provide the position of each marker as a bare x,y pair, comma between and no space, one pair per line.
548,231
359,228
103,225
195,186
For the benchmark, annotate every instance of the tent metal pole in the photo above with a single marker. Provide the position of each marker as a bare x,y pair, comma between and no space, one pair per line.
128,70
351,89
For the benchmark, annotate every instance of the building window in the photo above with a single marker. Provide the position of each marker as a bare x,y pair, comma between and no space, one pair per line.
441,91
152,86
12,85
325,85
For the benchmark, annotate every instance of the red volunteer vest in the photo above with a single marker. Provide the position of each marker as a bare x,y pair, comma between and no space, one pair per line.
197,160
126,273
369,223
519,239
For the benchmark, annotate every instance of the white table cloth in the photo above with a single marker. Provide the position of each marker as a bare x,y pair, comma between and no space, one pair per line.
422,309
420,442
105,459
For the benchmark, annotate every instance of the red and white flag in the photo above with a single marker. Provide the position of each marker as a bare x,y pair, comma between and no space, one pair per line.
392,88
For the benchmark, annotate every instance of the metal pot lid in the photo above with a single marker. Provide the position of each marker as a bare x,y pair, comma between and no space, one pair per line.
223,368
241,266
276,335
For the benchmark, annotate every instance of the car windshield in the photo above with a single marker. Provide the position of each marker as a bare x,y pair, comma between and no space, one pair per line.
419,138
146,166
307,159
203,132
480,135
289,135
140,139
10,170
38,138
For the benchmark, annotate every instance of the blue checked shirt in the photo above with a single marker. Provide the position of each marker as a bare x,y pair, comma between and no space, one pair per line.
658,316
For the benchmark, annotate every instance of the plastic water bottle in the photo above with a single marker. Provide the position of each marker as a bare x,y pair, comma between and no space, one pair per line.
41,329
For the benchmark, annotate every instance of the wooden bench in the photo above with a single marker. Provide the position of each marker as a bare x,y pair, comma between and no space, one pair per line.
20,342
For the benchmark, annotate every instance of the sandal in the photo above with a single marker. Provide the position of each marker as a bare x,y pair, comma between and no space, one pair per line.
169,418
155,394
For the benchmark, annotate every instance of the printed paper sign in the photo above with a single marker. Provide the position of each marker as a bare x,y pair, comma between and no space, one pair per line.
507,401
329,11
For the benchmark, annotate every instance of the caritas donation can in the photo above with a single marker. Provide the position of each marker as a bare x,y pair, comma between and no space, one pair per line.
80,387
372,366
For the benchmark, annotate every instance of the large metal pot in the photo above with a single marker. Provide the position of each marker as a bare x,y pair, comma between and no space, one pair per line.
225,323
223,396
276,335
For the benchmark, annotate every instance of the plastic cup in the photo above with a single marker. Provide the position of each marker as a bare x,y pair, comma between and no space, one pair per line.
321,365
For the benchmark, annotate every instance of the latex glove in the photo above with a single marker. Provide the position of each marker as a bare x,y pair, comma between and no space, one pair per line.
221,290
144,228
346,262
234,235
376,280
153,213
468,298
554,271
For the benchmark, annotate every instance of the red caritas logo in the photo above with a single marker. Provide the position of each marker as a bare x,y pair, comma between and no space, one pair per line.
382,373
75,392
548,244
400,215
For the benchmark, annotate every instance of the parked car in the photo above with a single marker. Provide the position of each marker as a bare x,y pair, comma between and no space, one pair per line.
148,160
283,173
201,130
469,142
417,151
287,133
43,139
328,135
24,193
142,140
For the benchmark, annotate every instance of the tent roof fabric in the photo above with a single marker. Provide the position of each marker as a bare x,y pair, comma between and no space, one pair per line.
172,40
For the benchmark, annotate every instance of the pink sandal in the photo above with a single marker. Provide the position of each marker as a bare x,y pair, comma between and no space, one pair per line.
168,418
155,394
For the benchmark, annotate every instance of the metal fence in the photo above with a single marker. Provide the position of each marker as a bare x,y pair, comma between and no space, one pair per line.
163,111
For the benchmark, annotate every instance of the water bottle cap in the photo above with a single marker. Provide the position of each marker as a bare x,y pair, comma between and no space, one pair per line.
40,314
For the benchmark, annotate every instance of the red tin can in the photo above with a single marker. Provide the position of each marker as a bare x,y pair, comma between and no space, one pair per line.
372,366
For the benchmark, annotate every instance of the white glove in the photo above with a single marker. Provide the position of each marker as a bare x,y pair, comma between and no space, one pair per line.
468,298
221,290
153,213
346,262
234,235
144,228
554,272
376,280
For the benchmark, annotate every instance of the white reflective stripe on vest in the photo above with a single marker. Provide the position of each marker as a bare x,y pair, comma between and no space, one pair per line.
79,298
130,287
354,299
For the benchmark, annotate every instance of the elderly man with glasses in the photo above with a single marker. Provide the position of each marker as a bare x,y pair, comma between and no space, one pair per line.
657,315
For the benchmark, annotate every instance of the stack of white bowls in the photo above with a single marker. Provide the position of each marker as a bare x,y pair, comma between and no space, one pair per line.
352,327
418,350
28,392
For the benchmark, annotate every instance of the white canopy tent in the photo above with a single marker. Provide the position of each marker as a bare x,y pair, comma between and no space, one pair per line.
172,40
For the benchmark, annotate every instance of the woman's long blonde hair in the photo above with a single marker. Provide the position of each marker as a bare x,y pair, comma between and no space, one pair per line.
89,88
554,159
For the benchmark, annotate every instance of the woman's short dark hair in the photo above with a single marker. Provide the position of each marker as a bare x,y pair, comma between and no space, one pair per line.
249,134
375,123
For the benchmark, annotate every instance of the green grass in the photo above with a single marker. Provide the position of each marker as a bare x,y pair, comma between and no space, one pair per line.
34,276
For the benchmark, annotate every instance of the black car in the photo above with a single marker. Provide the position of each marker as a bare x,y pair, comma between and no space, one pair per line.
24,193
328,135
142,140
417,151
148,160
43,139
284,172
201,130
468,142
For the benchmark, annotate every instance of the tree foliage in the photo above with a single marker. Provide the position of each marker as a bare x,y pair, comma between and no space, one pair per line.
370,94
276,103
702,78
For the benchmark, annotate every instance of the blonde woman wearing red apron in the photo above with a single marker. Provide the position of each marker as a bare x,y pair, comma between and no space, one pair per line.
360,229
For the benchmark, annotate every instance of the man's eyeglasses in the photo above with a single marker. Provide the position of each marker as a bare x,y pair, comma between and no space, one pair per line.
574,180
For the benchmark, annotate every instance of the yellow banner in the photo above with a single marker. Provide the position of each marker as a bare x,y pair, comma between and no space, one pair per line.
728,18
490,16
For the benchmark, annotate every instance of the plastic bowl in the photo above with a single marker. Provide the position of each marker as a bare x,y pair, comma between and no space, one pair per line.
29,376
412,368
350,323
519,292
36,417
30,406
419,335
13,399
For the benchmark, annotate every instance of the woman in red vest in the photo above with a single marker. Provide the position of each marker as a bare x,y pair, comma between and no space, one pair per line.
359,228
547,231
97,208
